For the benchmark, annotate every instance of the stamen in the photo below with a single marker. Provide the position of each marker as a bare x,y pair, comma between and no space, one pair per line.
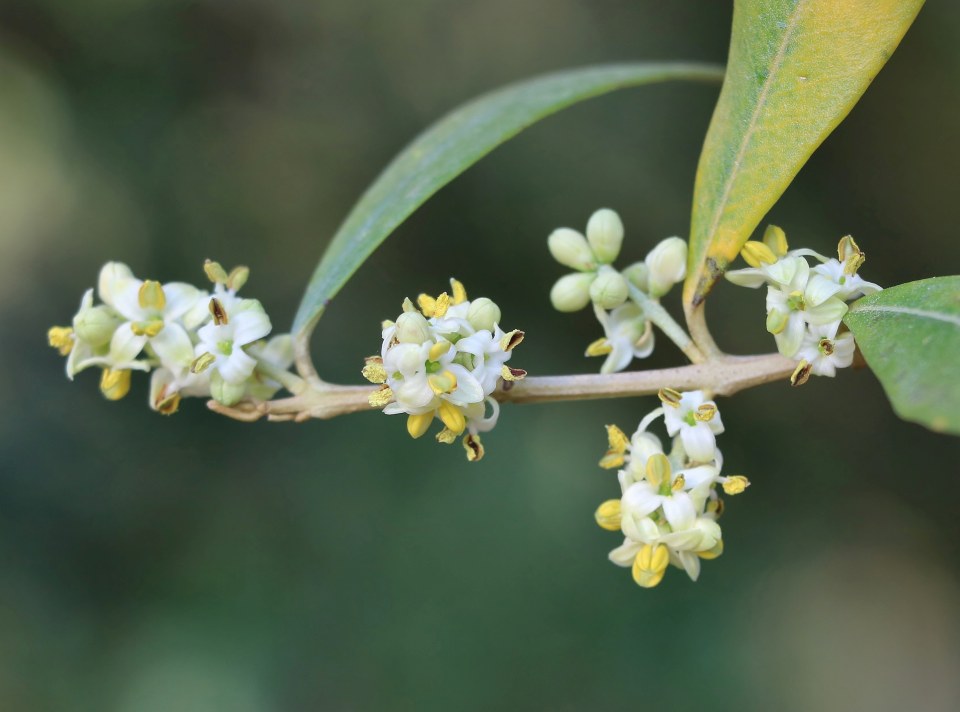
202,363
650,564
151,296
427,304
512,374
801,373
438,350
705,412
735,484
441,305
600,347
219,312
380,397
452,417
61,338
473,447
459,291
373,370
417,424
446,436
609,515
670,397
511,340
756,253
114,384
658,469
215,272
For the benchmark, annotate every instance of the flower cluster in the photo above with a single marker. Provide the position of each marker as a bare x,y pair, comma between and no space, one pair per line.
618,298
196,343
669,504
805,305
444,360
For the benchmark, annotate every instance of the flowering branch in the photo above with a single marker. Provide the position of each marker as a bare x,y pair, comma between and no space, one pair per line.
722,376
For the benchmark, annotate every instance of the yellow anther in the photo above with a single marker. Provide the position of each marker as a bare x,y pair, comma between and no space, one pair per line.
440,383
238,277
459,291
650,565
608,515
380,397
617,442
600,347
757,253
776,239
512,374
427,304
452,417
446,436
147,328
801,374
202,362
219,312
511,340
373,370
438,350
670,397
151,296
853,264
215,272
679,482
441,305
712,553
61,338
612,461
386,323
735,484
850,254
408,305
115,384
658,469
167,404
716,507
617,439
705,412
826,347
473,447
417,424
777,321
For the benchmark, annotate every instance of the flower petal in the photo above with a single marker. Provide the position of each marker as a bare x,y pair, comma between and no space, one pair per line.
237,367
699,442
250,326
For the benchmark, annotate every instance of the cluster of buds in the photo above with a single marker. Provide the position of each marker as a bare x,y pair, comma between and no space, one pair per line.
628,333
669,504
444,360
805,306
195,342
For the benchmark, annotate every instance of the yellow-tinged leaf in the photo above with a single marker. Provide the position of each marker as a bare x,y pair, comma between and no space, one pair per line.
795,70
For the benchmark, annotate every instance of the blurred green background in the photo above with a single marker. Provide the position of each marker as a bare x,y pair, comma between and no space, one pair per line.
199,564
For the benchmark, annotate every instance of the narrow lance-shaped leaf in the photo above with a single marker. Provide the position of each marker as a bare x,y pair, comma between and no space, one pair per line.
451,146
910,337
796,69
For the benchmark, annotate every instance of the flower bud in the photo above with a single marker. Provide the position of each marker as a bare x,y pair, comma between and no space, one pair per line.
226,393
570,249
638,274
605,235
113,275
483,314
95,325
667,263
572,291
412,328
609,290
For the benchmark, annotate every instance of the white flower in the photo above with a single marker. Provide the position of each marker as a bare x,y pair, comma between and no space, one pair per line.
221,341
697,421
825,351
799,298
627,335
849,286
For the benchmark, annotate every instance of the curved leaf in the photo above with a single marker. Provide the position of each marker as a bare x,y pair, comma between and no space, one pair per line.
910,336
796,68
451,146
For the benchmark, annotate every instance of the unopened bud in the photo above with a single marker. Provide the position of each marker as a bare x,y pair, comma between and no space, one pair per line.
638,274
483,314
571,249
609,290
95,325
605,235
412,328
572,292
776,239
226,393
113,275
667,263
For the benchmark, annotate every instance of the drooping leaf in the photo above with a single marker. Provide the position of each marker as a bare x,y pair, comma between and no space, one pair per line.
910,337
451,146
795,70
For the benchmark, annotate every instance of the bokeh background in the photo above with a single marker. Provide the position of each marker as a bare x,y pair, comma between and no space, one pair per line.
199,564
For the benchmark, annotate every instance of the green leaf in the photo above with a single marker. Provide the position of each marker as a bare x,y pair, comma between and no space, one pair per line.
454,144
910,337
796,69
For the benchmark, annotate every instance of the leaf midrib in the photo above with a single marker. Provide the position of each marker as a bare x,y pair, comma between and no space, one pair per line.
910,311
752,124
